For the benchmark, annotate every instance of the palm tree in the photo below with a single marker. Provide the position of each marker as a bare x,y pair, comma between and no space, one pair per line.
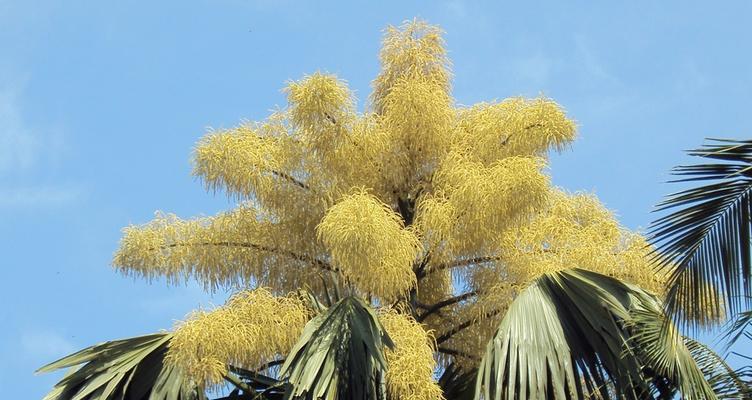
372,251
704,239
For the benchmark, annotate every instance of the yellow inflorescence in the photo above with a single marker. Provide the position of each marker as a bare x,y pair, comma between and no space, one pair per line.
368,242
414,193
230,249
320,106
411,363
359,159
261,163
238,160
435,287
416,49
418,114
514,127
487,200
576,231
435,219
253,328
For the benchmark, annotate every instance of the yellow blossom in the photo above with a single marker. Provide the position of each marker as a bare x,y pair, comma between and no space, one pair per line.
253,328
368,242
411,363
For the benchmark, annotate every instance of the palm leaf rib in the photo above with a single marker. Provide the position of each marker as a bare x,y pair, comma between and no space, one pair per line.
704,242
131,368
727,383
579,334
739,326
340,355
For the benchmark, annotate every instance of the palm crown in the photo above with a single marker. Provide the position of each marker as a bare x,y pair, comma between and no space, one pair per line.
371,249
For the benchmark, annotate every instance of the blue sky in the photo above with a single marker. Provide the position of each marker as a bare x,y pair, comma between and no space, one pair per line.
101,103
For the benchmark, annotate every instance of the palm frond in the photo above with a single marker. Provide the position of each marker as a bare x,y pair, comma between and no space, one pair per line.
132,368
704,242
727,383
576,334
340,355
738,326
662,349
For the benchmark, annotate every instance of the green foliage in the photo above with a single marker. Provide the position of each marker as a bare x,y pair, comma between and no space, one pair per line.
340,355
131,368
705,241
726,382
575,334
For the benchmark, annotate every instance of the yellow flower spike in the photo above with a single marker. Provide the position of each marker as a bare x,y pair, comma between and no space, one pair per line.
321,106
435,287
239,160
514,127
360,158
415,49
252,328
369,244
435,220
576,231
489,200
228,250
419,113
411,363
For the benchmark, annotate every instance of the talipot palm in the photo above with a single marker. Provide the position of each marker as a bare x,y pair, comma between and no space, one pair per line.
373,251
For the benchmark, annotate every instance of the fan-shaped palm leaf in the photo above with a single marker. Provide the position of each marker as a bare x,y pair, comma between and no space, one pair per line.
339,355
574,334
131,368
705,241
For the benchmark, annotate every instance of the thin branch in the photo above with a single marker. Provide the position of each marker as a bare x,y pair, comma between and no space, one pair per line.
290,179
464,325
239,383
531,126
254,384
330,118
420,272
406,210
300,257
444,303
268,365
458,263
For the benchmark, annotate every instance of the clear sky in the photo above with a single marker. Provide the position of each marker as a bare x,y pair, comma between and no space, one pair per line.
101,103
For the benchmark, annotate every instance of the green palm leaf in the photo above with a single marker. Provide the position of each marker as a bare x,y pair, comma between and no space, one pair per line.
727,383
663,350
578,334
339,355
130,368
738,326
705,241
